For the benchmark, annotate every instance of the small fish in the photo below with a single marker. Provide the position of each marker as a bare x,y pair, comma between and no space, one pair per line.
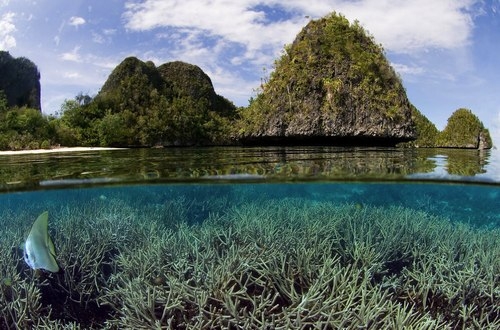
39,251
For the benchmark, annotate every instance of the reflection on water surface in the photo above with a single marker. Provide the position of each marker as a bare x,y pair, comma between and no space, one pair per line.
246,164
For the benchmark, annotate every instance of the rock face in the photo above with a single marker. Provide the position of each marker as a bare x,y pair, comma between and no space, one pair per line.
332,85
464,130
20,81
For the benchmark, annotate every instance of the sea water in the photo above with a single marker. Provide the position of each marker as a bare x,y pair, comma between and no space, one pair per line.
474,204
265,239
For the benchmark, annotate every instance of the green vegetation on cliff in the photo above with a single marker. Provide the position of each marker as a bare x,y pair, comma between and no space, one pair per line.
464,130
22,125
427,132
333,81
19,81
141,105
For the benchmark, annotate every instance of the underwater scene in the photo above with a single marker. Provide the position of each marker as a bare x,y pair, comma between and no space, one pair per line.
264,244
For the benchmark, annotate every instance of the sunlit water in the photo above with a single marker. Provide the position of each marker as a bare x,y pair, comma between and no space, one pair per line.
254,207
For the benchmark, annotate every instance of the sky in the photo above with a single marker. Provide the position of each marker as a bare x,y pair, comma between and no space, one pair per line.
447,52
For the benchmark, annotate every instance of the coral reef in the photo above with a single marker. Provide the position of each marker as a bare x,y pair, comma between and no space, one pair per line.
262,264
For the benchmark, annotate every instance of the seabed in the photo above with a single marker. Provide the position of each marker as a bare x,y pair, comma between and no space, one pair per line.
287,263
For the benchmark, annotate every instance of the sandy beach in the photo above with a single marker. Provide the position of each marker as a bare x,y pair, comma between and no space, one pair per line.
45,151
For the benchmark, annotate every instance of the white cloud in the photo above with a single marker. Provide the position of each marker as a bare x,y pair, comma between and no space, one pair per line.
400,25
7,28
418,25
71,75
104,36
404,69
72,56
73,72
109,32
76,21
235,21
98,38
221,35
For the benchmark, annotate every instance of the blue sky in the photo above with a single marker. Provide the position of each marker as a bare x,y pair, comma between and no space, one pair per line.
446,51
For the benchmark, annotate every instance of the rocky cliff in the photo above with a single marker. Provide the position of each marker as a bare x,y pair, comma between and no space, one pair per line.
332,85
20,81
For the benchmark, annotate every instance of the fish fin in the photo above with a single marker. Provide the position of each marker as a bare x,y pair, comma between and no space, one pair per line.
42,226
52,248
52,252
53,266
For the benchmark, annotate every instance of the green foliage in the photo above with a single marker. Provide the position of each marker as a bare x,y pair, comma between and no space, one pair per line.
3,102
463,130
113,130
254,118
78,124
24,128
427,133
140,105
187,80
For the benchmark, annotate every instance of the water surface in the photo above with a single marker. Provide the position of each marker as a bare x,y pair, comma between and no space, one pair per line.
277,164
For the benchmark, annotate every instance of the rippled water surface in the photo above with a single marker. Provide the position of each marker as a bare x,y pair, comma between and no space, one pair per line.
276,164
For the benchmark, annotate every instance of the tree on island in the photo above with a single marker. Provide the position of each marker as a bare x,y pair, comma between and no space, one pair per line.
23,128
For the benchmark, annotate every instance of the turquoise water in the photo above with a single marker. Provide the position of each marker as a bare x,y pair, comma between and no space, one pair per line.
477,205
306,238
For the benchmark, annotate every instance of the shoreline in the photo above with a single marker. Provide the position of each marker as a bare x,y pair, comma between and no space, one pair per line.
54,150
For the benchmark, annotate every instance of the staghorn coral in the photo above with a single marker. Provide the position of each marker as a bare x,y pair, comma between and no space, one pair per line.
275,264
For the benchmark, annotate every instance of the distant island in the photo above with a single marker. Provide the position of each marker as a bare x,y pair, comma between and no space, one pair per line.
332,86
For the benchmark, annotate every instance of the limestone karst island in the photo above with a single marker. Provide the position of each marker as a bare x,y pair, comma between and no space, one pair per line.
332,86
